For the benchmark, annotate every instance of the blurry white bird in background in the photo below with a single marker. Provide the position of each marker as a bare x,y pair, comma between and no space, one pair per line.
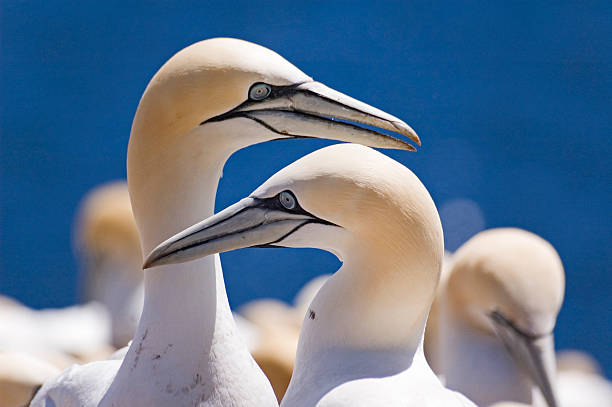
580,382
500,307
362,338
108,246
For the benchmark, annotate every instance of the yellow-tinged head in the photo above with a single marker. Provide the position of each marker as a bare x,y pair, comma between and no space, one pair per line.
105,224
512,272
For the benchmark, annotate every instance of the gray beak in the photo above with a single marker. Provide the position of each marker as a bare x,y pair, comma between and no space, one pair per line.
314,110
534,354
252,222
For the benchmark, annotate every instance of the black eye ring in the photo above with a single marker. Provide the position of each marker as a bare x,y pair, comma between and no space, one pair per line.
287,200
260,91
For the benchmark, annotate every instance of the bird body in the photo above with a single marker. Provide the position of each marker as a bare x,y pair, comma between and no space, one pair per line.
207,102
376,385
361,341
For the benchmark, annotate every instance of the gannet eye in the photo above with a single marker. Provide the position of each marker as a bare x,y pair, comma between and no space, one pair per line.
259,91
287,199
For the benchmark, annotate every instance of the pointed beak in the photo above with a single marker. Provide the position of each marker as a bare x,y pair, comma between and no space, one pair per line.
314,110
252,222
534,354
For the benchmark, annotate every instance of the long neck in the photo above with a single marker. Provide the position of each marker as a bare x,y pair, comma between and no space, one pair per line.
493,374
366,321
186,327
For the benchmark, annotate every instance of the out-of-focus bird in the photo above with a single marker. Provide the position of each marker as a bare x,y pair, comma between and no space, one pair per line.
579,381
20,376
362,338
109,247
500,307
208,101
55,334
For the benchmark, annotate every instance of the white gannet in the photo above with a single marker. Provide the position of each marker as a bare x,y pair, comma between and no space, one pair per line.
208,101
108,245
361,342
501,302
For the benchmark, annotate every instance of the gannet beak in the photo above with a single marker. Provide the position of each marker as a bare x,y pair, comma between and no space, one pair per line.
535,354
311,109
251,222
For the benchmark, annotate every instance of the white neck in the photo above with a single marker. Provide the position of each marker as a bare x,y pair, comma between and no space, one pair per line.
186,343
478,365
364,322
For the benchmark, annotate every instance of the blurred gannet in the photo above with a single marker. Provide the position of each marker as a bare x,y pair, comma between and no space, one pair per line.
54,334
208,101
107,242
579,381
361,342
501,302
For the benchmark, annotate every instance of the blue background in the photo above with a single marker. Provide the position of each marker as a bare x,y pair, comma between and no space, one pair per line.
512,100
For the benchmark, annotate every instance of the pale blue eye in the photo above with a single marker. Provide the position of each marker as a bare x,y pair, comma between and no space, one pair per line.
287,199
259,91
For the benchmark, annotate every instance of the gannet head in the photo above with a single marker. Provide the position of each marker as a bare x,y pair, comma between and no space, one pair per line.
240,89
337,198
510,283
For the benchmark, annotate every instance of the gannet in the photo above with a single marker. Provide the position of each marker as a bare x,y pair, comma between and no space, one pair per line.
361,342
109,248
208,101
501,302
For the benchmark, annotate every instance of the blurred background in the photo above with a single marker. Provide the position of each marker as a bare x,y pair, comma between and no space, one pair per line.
512,101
